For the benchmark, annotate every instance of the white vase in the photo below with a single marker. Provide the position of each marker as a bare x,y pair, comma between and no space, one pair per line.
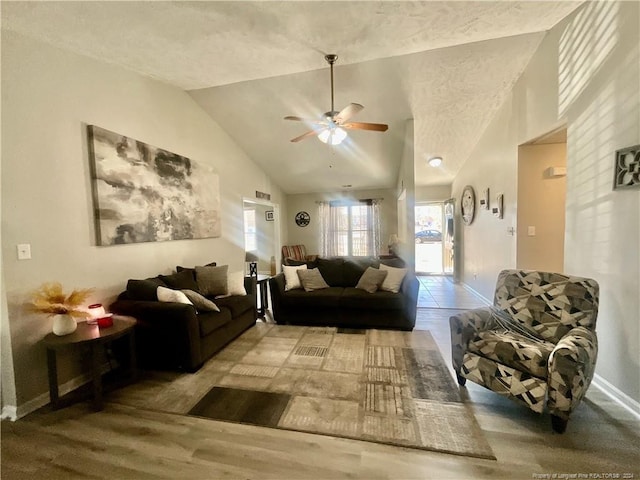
64,324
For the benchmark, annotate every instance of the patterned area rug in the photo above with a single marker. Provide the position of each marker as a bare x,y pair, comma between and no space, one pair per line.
382,386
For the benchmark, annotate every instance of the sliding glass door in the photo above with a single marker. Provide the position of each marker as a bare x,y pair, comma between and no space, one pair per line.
429,219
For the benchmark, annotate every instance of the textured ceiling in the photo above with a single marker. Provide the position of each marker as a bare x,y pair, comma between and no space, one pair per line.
447,65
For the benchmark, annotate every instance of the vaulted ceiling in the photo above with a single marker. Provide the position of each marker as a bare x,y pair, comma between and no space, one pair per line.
446,65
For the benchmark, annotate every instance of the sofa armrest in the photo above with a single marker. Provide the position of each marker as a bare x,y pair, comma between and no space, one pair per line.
464,326
572,364
409,289
276,287
173,326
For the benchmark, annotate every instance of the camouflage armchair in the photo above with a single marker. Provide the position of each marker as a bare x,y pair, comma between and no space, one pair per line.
537,344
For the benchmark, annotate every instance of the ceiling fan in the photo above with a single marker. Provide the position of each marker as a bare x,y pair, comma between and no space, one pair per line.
331,129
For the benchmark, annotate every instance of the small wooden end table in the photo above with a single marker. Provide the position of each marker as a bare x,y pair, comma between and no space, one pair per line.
95,338
262,282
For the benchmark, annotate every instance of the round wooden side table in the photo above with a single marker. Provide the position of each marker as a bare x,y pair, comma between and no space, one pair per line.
95,338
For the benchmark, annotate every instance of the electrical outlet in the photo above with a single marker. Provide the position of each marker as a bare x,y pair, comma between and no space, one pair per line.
24,251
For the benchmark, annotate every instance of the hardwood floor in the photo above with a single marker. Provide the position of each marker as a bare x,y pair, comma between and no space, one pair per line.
121,442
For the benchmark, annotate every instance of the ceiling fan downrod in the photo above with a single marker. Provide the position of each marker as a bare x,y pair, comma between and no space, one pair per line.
331,59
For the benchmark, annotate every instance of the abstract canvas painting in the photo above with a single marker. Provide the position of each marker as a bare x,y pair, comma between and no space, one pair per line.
146,194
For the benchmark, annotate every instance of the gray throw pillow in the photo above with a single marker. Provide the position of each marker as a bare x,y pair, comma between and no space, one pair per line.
201,303
311,280
212,281
371,279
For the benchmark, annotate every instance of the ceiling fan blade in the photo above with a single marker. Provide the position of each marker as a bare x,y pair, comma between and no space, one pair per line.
376,127
310,133
306,120
347,112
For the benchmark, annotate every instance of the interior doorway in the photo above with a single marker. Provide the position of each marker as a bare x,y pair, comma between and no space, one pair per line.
542,169
429,221
262,232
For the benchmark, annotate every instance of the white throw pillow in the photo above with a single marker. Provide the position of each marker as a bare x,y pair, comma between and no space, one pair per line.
235,284
167,295
393,280
291,279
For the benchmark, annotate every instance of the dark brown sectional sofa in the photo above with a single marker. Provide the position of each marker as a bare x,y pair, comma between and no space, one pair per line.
342,304
174,335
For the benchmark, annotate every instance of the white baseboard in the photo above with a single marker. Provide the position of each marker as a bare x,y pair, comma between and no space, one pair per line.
616,395
13,413
9,413
477,294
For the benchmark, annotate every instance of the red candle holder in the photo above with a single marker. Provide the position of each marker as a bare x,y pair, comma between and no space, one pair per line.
106,321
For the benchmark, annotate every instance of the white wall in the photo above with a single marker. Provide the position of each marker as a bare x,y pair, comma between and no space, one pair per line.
602,103
48,96
585,73
406,194
309,236
432,193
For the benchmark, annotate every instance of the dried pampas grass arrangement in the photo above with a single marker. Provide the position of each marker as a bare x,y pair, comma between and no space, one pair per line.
51,300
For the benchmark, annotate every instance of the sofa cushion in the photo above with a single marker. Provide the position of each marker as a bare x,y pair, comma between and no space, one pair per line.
291,279
513,350
371,279
236,304
192,269
210,321
323,298
201,303
393,281
168,295
181,280
331,270
292,262
212,281
235,284
311,279
144,289
359,299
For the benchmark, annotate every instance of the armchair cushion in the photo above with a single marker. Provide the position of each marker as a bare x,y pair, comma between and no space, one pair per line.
513,350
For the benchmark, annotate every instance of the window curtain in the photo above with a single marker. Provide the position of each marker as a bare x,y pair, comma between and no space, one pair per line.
376,240
337,232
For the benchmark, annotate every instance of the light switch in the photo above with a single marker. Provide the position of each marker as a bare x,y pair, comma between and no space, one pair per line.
24,251
531,231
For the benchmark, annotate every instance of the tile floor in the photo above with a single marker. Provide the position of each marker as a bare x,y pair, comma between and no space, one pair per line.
439,291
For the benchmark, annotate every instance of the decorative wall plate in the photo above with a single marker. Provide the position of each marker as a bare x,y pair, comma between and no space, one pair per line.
302,219
468,204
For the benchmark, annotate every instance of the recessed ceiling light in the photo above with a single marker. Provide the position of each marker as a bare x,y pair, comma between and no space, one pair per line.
435,161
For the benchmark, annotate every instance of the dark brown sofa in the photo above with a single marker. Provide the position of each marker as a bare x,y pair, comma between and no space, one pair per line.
174,335
342,304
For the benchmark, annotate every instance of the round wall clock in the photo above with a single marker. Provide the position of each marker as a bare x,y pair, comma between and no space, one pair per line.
468,204
302,219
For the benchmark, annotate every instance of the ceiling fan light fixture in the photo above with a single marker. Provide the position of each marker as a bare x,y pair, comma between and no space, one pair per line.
332,136
435,161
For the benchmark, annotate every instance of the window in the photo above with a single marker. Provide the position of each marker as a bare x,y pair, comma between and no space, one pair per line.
350,228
